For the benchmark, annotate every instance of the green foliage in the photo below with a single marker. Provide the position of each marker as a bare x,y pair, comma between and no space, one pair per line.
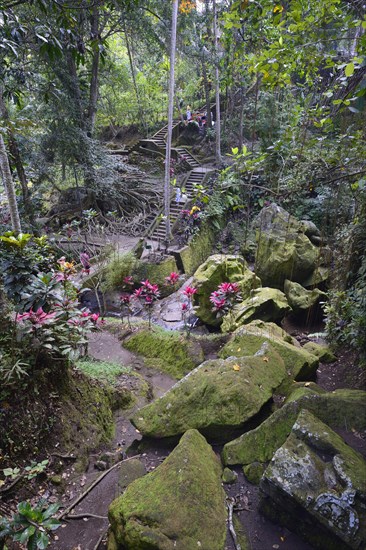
120,266
22,257
29,472
104,371
346,315
30,526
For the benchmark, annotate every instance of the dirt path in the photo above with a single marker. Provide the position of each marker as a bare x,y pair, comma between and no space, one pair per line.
85,533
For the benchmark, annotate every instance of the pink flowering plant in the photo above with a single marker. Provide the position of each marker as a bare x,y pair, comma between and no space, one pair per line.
172,279
147,294
224,298
187,307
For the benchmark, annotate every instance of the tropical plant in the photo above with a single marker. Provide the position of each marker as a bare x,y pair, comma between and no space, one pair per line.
30,526
147,294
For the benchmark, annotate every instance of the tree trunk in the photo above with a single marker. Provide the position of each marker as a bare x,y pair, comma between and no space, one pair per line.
9,188
206,86
15,155
170,122
217,90
241,119
93,94
133,74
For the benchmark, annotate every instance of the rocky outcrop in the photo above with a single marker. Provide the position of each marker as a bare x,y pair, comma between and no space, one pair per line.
218,269
216,395
247,340
315,484
322,351
285,248
267,304
179,506
300,299
337,409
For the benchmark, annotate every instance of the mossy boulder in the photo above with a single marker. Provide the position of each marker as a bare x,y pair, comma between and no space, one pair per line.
316,485
216,395
166,351
337,409
284,251
218,269
300,299
324,353
247,340
179,506
267,304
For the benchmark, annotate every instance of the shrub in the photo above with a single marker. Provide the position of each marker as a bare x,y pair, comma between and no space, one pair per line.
118,269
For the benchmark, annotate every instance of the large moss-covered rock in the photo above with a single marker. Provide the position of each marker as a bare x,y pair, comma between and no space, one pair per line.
322,351
267,304
300,299
217,394
337,409
284,251
165,350
316,485
216,270
247,340
179,506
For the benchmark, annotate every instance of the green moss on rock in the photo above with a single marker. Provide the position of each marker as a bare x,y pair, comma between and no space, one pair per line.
179,506
166,351
198,250
315,476
156,273
338,409
216,270
254,471
301,299
217,394
283,250
322,351
247,340
267,304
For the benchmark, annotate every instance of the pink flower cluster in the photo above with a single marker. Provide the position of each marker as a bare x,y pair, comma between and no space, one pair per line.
172,279
37,318
148,292
224,297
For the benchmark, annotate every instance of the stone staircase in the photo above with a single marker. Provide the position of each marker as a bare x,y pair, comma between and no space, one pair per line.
195,177
159,137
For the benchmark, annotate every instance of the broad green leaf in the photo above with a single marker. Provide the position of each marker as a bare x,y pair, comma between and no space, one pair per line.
350,69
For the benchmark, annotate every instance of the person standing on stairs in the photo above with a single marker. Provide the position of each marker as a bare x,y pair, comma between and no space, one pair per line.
189,114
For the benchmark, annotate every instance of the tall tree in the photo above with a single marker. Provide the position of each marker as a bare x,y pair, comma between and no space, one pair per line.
173,42
9,187
217,87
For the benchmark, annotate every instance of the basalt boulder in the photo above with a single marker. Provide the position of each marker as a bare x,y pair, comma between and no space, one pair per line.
284,248
215,270
267,304
300,299
216,396
337,409
315,484
178,506
247,340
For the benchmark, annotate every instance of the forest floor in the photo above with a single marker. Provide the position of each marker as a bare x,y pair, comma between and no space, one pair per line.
89,533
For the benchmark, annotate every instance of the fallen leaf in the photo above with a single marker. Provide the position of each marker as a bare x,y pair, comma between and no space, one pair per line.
236,367
265,359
